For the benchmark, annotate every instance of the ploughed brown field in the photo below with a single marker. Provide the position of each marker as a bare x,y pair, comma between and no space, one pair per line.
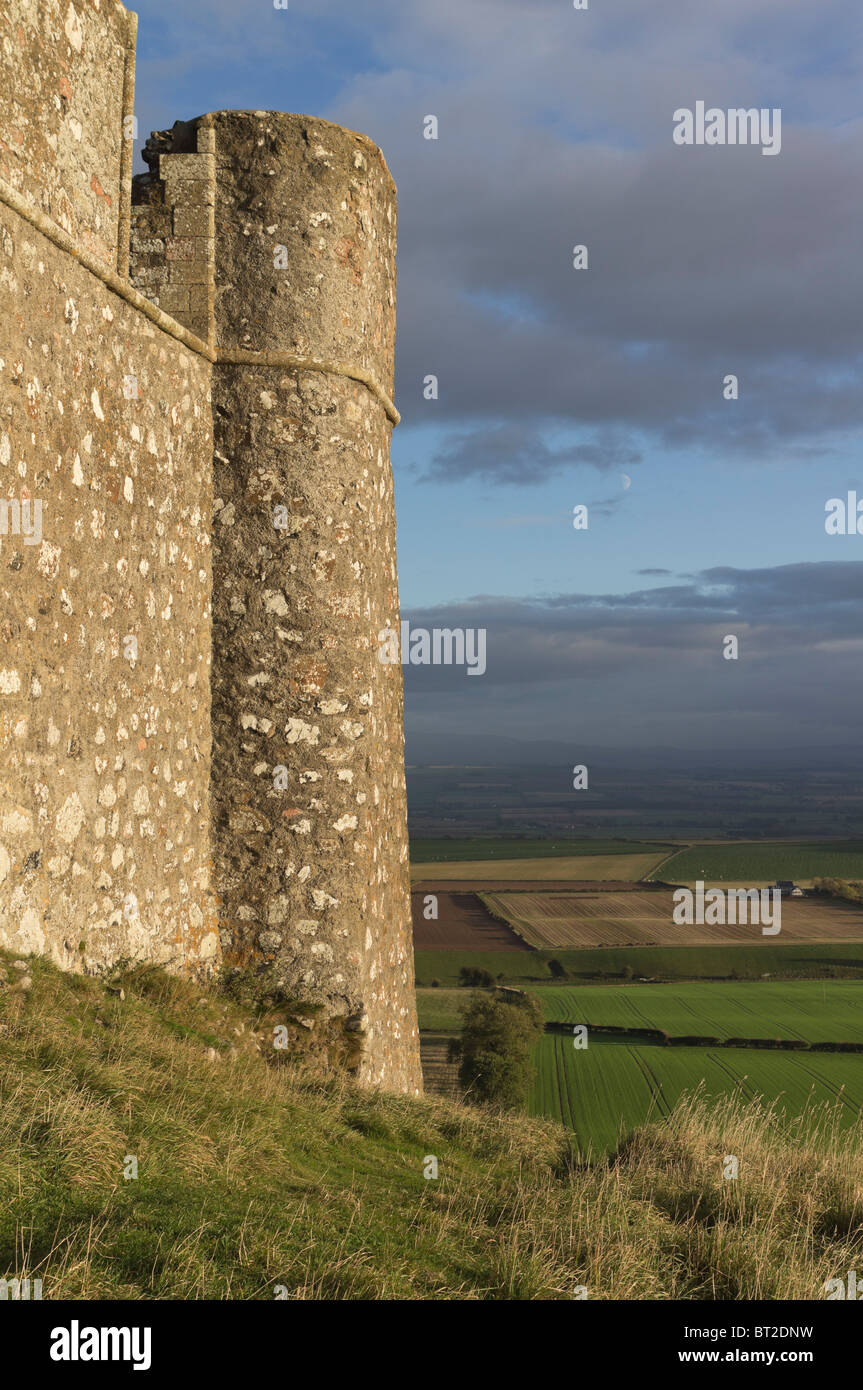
464,923
583,920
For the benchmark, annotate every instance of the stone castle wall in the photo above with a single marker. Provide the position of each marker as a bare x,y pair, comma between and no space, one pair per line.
201,759
65,144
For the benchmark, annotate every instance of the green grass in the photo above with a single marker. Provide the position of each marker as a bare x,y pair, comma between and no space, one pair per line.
756,863
442,849
254,1175
664,962
439,1010
608,1089
797,1009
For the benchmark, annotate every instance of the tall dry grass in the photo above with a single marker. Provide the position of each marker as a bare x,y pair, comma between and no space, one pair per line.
255,1179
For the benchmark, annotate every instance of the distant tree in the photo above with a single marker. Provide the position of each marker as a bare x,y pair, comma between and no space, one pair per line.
626,972
557,970
435,984
839,888
498,1035
472,977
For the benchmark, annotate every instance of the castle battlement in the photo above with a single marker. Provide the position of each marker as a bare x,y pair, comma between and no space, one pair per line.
201,756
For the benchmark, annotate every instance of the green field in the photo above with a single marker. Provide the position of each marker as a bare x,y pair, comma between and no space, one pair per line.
817,1012
439,1010
665,962
447,851
605,1090
757,863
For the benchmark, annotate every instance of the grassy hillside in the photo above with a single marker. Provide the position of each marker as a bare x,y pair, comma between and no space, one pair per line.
252,1176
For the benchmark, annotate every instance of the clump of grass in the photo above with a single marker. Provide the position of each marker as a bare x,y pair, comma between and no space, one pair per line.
252,1177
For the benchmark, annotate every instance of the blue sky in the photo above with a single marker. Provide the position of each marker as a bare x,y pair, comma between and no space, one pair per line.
556,385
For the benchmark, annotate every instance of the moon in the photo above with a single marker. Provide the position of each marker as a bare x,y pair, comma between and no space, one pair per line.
627,481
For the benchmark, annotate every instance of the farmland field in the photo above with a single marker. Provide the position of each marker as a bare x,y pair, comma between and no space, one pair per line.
817,1012
762,863
763,956
440,1075
551,920
440,1009
593,867
463,923
440,849
605,1090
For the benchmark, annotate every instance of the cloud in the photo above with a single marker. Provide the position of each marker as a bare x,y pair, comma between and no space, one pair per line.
555,130
703,262
513,453
628,667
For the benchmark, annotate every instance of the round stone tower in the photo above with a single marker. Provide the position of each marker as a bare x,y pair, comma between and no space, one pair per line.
307,793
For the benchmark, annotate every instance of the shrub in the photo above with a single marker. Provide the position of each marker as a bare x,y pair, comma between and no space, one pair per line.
498,1035
473,977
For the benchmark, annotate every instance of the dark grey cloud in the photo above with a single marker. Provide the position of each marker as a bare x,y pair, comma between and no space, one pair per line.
514,453
627,668
703,262
555,130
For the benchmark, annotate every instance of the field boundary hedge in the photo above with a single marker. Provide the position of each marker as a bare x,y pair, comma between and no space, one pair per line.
663,1039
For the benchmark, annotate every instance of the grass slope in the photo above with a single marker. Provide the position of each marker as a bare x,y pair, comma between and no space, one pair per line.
251,1176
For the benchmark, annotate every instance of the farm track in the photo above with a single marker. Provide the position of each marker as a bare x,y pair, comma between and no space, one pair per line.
562,1087
740,1081
653,1082
838,1091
